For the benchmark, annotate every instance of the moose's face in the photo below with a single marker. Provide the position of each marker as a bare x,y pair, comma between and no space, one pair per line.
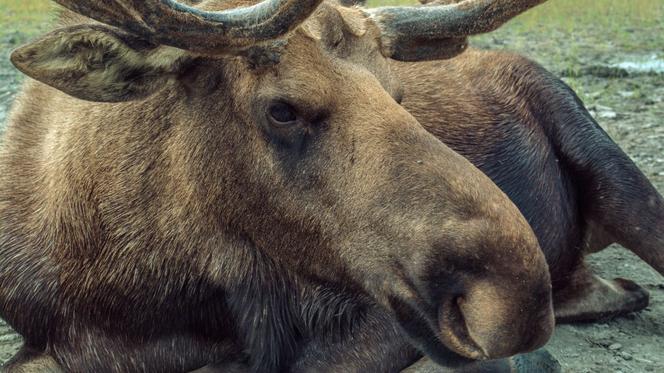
300,146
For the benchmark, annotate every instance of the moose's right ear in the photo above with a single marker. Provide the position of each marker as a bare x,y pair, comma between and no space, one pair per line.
99,63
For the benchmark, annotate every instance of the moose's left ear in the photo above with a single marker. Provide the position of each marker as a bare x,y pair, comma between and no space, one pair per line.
99,63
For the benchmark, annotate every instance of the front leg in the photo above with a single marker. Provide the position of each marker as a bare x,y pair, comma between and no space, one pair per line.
588,297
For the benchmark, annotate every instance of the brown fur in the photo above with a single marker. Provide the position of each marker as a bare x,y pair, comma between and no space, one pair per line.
177,227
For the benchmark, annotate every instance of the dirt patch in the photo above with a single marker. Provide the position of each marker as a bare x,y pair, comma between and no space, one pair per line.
631,109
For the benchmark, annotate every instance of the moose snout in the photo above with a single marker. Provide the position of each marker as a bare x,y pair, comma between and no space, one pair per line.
490,321
501,304
486,315
467,278
485,296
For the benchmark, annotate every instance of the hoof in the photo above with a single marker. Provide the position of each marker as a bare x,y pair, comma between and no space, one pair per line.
591,298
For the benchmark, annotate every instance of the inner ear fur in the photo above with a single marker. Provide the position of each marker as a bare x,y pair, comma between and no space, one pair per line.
99,63
336,24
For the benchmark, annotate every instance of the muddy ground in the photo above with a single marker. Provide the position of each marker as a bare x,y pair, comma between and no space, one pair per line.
628,103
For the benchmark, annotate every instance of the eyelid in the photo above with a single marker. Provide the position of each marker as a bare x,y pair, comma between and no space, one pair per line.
292,110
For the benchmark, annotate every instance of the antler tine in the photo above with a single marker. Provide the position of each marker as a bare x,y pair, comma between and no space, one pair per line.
414,33
171,23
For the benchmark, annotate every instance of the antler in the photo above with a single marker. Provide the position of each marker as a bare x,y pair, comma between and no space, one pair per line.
439,30
171,23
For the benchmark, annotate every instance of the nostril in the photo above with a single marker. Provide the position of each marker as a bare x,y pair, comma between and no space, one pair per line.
454,330
460,305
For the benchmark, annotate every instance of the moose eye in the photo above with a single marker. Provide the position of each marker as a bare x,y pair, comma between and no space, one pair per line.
282,113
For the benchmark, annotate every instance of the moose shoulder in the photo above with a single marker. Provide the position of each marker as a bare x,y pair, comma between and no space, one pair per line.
187,187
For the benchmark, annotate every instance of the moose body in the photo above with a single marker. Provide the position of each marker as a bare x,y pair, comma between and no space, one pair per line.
189,188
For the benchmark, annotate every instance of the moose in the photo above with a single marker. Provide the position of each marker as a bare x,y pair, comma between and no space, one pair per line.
530,133
229,186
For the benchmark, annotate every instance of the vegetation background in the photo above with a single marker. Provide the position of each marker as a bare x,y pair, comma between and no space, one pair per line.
611,52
